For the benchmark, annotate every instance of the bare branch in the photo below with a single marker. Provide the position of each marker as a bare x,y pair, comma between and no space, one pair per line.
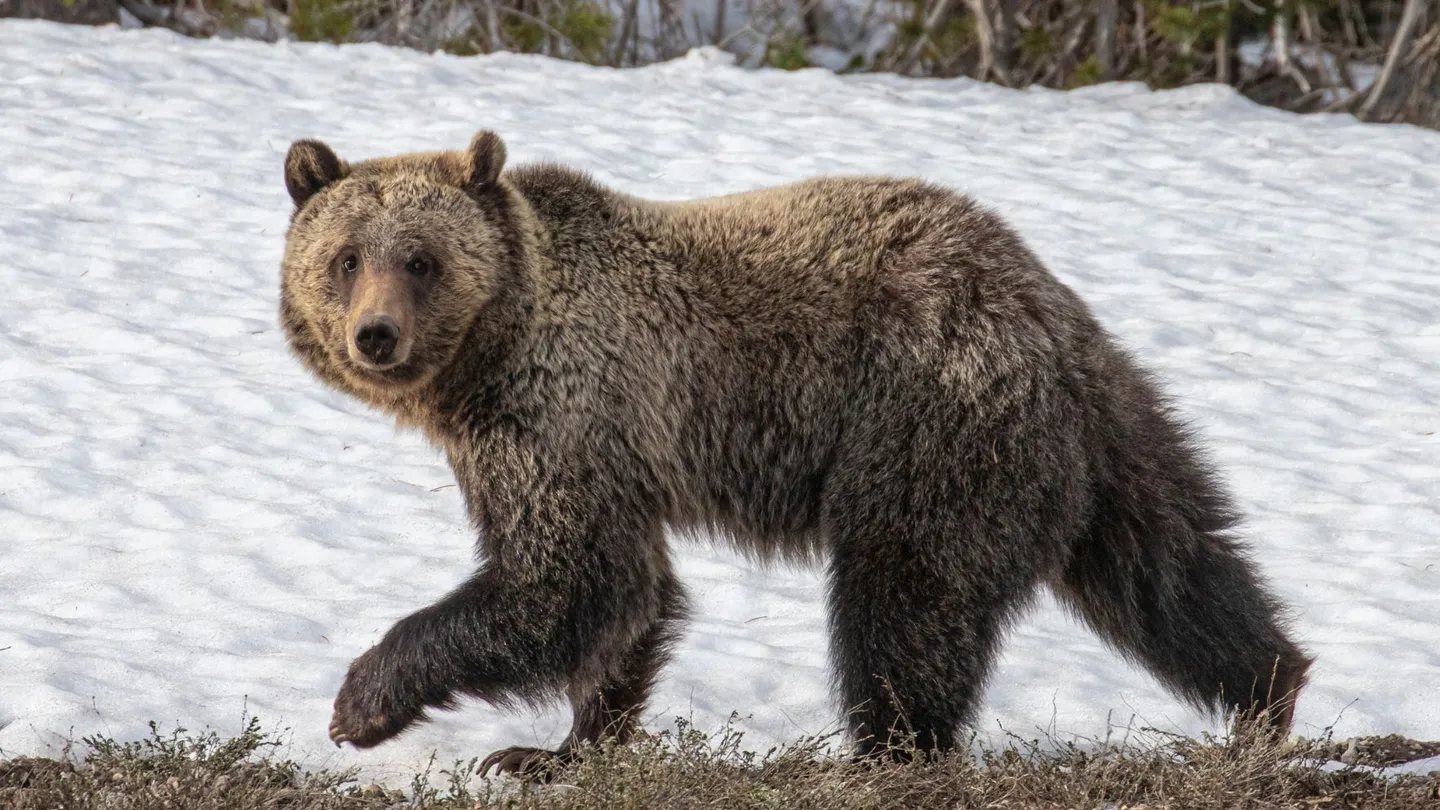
1141,30
937,15
627,30
1280,41
492,25
155,17
1007,42
1409,21
549,29
720,7
1105,23
985,33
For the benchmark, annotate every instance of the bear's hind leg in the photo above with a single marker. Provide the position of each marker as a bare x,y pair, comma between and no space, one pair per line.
1192,609
914,632
1160,574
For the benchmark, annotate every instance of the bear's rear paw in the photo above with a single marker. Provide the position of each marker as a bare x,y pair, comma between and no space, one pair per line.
367,710
534,764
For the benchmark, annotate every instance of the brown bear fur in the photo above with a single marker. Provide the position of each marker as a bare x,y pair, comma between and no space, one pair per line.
869,373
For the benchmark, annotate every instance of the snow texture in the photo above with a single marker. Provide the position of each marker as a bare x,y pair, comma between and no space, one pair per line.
193,528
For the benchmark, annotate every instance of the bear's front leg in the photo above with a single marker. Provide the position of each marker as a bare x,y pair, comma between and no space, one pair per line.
387,689
574,579
367,710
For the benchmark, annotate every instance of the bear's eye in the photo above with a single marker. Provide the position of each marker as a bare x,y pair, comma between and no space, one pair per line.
350,263
420,265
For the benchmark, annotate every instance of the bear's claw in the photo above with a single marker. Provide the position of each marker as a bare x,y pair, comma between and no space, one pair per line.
535,764
364,733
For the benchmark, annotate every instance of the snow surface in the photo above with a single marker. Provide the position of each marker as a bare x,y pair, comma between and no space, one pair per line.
193,528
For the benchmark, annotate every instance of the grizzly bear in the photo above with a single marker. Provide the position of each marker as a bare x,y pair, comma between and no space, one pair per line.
872,374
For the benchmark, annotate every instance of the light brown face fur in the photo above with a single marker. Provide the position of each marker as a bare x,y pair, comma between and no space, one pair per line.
388,262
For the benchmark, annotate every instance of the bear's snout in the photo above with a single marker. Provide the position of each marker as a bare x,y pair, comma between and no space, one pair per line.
376,338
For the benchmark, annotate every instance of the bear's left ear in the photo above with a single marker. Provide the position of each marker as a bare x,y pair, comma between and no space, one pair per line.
309,167
487,158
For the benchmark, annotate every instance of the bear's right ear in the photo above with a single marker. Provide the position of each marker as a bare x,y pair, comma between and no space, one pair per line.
309,167
487,158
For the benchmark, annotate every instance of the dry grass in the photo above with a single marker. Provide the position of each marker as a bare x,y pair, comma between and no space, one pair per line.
688,770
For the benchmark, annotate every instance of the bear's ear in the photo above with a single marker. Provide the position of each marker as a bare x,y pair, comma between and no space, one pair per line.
487,158
309,167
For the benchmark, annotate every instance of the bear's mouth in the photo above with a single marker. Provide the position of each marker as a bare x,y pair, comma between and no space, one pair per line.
376,368
401,372
397,373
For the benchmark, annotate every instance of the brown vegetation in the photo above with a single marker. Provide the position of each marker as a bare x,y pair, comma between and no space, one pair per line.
686,769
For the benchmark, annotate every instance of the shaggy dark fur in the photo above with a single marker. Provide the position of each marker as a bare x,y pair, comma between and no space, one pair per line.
871,373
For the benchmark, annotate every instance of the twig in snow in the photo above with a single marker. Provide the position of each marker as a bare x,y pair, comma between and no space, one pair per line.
549,29
1280,38
1409,21
937,14
985,33
1141,30
159,18
865,15
492,26
720,6
627,31
1105,22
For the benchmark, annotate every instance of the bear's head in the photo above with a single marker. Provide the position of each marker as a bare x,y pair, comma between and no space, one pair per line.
389,262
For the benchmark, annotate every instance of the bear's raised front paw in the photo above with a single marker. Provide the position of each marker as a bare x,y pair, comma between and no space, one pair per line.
367,710
534,764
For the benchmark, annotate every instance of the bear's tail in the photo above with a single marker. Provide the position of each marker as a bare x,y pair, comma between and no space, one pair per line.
1159,573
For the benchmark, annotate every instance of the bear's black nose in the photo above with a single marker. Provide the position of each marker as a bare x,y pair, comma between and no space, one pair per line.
376,338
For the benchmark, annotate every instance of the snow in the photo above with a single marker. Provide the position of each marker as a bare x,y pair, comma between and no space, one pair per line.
195,529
